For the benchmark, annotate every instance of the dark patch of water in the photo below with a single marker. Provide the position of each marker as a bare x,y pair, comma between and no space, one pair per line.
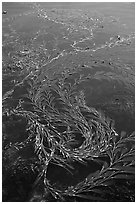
62,179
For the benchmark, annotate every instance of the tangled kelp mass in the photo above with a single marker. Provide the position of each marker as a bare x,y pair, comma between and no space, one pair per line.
68,102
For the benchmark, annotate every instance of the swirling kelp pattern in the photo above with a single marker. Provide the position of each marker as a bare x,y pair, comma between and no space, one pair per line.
68,106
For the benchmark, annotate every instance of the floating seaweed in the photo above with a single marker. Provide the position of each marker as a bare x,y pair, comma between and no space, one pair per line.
60,105
62,132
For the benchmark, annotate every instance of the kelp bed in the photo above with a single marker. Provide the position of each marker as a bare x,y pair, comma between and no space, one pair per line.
68,116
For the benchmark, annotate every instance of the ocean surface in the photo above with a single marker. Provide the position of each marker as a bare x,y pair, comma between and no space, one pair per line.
56,40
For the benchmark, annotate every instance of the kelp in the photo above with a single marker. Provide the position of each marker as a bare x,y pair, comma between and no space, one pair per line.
45,90
65,130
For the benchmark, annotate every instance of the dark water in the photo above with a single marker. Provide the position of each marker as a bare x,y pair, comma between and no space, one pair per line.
52,38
